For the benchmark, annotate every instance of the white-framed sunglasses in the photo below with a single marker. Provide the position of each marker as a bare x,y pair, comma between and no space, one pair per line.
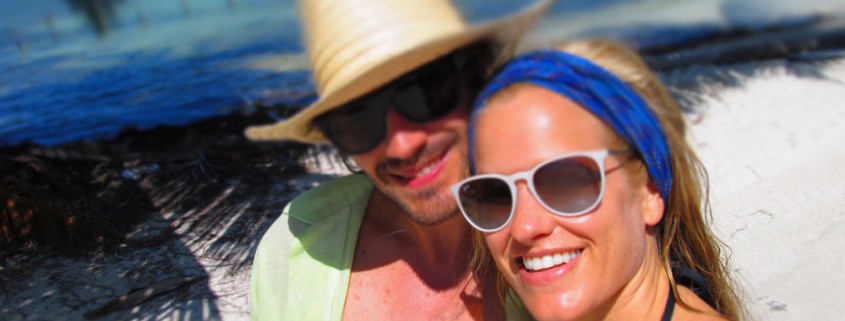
568,185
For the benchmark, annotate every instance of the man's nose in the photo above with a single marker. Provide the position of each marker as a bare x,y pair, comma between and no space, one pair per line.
405,138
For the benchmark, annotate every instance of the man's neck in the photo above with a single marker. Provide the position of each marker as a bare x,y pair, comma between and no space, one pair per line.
405,270
442,243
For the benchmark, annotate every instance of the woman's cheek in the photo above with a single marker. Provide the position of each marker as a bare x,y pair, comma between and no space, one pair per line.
498,243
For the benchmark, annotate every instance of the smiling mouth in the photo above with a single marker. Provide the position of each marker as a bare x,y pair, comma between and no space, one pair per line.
420,171
534,264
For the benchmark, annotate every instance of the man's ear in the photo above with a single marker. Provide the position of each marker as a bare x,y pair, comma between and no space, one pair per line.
653,205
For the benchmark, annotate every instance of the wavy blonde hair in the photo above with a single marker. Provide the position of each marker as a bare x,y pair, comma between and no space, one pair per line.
685,236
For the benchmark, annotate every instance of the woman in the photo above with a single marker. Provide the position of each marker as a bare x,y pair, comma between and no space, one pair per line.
591,202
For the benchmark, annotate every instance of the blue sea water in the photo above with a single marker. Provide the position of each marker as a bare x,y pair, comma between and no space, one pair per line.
157,62
73,70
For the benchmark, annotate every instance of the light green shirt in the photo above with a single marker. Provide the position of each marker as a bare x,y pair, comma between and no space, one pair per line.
302,264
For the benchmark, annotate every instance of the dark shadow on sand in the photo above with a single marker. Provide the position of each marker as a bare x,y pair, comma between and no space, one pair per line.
119,244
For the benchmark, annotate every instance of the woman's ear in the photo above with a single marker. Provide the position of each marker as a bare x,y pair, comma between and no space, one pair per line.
653,204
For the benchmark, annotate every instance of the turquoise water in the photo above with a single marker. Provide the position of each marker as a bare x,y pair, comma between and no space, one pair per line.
163,62
72,73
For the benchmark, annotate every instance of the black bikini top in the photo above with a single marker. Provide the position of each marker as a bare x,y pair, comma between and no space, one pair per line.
695,282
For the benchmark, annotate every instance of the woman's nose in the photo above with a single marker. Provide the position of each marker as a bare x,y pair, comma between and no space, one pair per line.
531,221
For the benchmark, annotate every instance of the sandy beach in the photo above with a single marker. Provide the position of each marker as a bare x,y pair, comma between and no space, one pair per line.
773,149
182,209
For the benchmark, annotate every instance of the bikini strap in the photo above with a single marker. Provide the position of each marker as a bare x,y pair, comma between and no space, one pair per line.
670,307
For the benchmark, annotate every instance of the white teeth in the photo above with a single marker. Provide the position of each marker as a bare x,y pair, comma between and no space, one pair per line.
547,261
559,258
426,170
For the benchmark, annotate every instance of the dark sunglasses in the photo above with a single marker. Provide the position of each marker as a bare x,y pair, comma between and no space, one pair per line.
568,185
425,95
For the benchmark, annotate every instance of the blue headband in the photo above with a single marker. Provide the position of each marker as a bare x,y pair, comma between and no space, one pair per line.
596,89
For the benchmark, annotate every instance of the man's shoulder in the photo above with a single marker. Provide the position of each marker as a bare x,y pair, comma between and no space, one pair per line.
306,254
337,196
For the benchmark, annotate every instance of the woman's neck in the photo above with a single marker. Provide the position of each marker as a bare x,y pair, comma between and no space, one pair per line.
646,293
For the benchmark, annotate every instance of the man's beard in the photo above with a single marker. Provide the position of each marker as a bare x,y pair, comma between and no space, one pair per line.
433,207
428,207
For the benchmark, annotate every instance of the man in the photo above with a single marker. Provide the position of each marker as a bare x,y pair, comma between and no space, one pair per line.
395,80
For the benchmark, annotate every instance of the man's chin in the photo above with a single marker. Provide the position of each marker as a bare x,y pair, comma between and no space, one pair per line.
431,219
427,208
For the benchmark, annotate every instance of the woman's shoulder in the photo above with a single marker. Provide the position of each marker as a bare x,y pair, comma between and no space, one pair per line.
698,309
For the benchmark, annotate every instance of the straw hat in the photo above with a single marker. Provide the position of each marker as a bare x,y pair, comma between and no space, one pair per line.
357,46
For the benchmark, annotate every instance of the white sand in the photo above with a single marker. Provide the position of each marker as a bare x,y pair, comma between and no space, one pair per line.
775,155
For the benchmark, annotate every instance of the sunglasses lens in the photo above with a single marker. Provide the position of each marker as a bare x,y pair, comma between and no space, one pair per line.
486,202
434,93
570,185
356,128
425,95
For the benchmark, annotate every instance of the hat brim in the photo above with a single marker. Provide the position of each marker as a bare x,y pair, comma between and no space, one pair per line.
301,126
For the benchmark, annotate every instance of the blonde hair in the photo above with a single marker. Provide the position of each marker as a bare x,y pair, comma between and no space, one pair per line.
685,237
